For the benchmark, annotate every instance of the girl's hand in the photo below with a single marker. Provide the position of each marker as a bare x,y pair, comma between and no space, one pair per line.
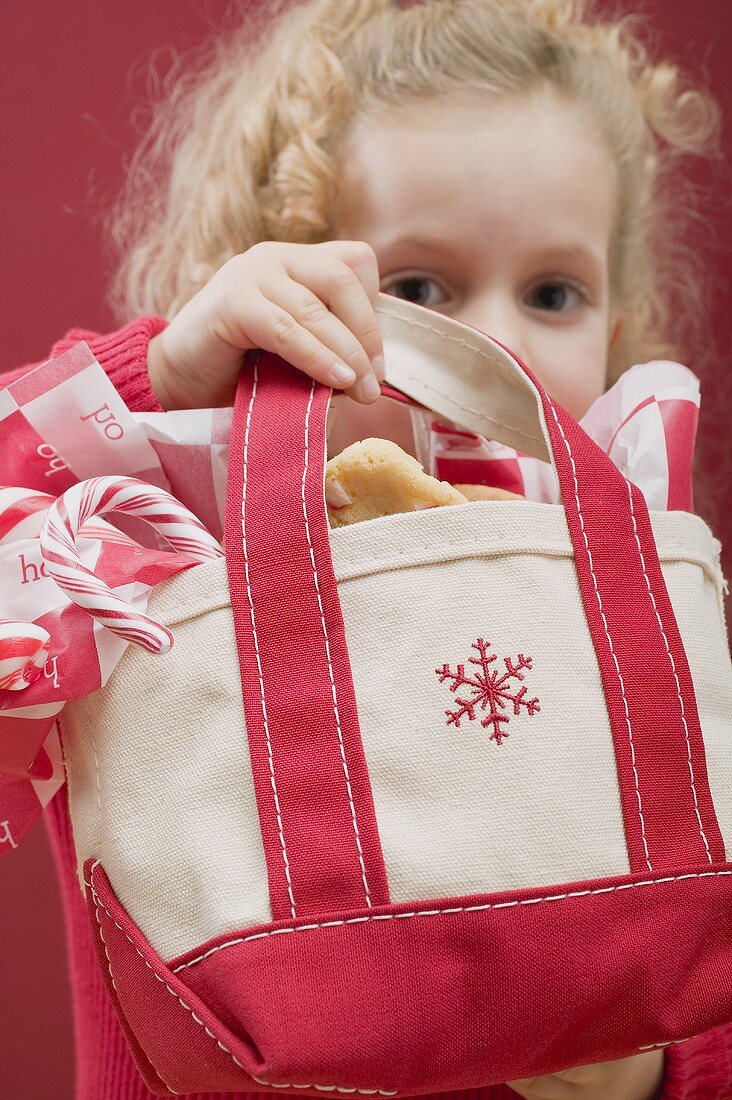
636,1078
313,304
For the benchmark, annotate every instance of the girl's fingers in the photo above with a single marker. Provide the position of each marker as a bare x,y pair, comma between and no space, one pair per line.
339,314
361,258
313,304
348,284
269,325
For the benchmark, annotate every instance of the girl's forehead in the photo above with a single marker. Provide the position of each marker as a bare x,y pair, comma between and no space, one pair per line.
503,171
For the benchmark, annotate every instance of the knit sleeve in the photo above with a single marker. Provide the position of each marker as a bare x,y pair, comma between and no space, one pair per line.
123,356
699,1068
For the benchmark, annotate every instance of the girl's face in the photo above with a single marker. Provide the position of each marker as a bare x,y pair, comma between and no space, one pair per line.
499,214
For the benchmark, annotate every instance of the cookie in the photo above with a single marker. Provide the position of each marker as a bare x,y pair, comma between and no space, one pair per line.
375,477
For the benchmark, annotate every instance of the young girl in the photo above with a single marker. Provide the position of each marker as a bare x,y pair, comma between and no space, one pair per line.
502,161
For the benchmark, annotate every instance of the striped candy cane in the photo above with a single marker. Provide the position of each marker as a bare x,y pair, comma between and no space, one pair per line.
100,496
21,512
23,653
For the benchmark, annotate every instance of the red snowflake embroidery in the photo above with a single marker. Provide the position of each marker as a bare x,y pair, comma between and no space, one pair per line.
489,689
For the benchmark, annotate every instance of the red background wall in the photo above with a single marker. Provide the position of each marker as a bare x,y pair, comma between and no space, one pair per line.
68,93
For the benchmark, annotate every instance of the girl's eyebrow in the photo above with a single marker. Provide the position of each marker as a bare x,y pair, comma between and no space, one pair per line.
571,252
586,263
556,252
435,244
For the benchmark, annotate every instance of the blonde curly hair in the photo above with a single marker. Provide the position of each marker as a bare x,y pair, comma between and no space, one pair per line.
242,144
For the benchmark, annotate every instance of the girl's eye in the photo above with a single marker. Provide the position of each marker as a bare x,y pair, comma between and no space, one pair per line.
554,297
414,288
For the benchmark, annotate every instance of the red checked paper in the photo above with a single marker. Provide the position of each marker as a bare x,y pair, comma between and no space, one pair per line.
60,424
64,422
646,423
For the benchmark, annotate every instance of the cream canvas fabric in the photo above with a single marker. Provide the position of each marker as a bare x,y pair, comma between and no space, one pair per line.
160,783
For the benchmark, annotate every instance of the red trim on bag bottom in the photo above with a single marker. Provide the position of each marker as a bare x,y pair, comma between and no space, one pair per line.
355,1001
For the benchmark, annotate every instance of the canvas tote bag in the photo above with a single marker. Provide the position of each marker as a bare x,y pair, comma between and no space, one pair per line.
429,802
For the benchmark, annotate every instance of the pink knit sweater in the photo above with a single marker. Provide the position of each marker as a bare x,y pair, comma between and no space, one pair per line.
697,1069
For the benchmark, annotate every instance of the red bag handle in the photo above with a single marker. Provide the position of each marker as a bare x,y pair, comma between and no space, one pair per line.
311,781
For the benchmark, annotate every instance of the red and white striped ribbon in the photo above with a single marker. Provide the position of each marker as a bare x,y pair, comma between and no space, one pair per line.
100,496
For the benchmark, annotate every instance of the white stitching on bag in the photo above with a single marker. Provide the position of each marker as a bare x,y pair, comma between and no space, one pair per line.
325,1088
97,903
361,920
457,340
461,343
607,632
256,642
452,909
673,669
325,633
670,1042
336,712
90,724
